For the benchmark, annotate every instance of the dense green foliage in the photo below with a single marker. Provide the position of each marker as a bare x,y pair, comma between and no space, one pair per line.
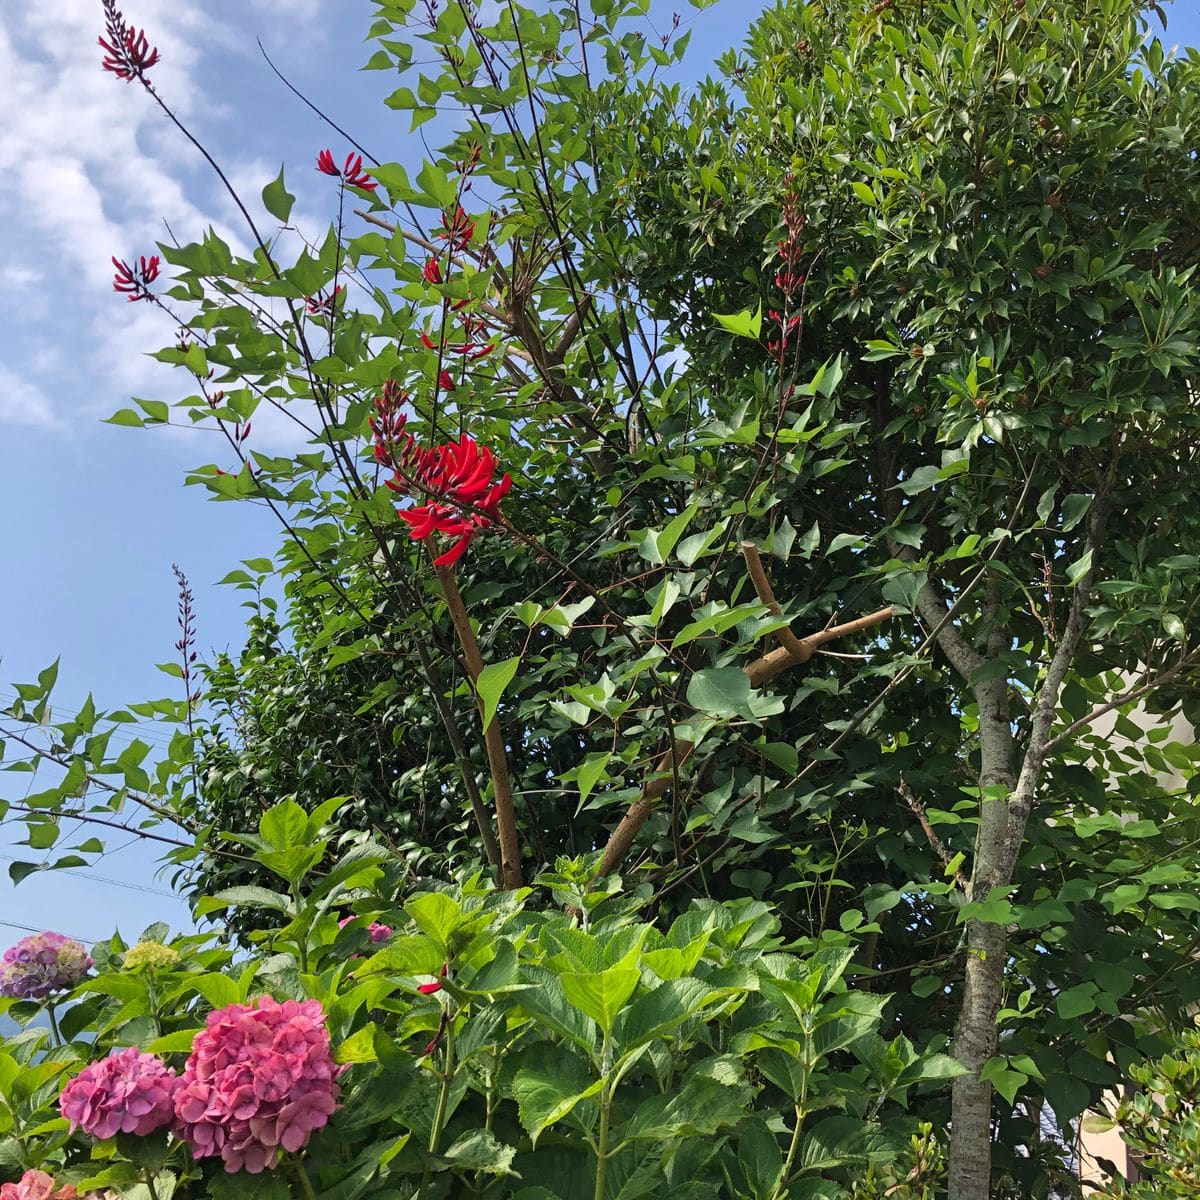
901,304
1160,1123
556,1058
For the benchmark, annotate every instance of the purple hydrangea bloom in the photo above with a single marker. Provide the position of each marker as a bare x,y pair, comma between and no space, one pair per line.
260,1079
127,1092
42,963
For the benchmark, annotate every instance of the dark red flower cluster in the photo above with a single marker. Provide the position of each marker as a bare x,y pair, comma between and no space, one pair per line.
127,52
457,230
457,480
350,172
134,279
433,271
789,279
387,422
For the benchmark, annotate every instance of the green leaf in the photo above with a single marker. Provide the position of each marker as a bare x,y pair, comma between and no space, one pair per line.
284,825
436,914
720,691
359,1047
544,1097
760,1158
248,896
665,541
589,771
479,1150
1074,508
277,200
1068,1097
219,990
660,1011
1079,568
864,193
601,994
1077,1001
179,1042
745,324
490,685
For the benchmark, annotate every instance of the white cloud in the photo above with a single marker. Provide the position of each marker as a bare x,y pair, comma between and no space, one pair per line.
23,402
98,172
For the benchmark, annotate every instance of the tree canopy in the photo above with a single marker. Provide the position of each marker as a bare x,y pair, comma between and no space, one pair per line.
808,464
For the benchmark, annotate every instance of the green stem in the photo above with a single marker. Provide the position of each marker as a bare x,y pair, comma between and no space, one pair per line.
439,1116
149,1178
785,1174
603,1139
302,941
305,1182
54,1029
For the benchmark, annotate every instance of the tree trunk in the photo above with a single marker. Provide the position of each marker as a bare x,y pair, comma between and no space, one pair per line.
974,1044
975,1033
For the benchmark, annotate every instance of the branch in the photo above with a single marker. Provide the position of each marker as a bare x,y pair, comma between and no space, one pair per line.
1132,694
486,836
935,842
1046,708
74,815
137,797
758,672
506,821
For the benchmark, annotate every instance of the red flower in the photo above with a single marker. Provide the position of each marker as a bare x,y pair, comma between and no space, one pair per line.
127,52
429,989
445,381
351,171
427,341
459,480
458,231
135,280
433,271
320,303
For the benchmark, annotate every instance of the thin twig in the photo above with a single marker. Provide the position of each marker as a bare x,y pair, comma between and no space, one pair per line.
935,842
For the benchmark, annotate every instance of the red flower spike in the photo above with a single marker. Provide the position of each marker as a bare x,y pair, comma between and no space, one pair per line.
351,172
458,231
127,52
429,989
427,341
445,381
433,271
134,280
355,176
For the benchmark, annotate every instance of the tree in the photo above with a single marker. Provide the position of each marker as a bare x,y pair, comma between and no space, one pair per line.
957,453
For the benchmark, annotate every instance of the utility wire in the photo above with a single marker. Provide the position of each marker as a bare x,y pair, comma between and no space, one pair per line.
121,883
34,929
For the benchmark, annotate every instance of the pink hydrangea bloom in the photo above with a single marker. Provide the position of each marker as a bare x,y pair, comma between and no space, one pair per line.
42,963
378,932
35,1185
127,1092
260,1079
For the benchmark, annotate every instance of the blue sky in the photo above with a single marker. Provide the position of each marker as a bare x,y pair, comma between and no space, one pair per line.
95,515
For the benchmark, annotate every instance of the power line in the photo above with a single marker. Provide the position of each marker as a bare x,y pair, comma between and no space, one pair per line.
121,883
34,929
